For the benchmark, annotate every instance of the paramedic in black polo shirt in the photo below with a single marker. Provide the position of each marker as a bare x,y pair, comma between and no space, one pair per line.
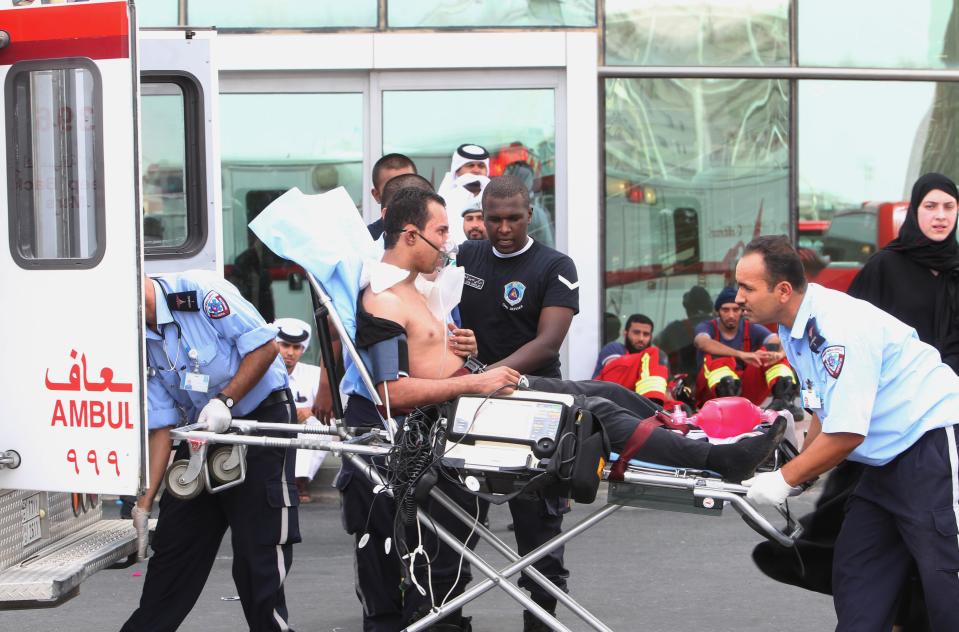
519,298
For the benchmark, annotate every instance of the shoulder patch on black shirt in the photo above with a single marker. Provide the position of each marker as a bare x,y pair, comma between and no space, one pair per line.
183,301
474,282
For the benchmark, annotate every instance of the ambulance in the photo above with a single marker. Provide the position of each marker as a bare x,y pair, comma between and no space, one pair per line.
109,139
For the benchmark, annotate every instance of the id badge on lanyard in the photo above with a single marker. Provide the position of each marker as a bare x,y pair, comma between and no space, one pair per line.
194,379
810,398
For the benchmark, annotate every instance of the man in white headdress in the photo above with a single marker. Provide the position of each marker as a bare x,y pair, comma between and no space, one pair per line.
293,338
462,186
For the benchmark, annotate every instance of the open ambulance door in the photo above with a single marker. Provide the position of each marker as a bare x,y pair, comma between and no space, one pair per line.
70,249
179,138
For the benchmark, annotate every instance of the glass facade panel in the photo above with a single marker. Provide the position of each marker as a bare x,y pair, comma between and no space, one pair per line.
890,134
885,34
697,33
281,14
517,127
695,168
163,145
158,12
269,144
54,142
460,13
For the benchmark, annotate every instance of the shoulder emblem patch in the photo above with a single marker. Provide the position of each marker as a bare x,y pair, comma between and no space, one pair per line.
474,282
513,292
833,358
215,306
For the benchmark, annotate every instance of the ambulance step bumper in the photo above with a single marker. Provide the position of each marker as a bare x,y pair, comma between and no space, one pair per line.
55,573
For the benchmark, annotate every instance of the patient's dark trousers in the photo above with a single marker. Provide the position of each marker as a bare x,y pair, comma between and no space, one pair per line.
620,410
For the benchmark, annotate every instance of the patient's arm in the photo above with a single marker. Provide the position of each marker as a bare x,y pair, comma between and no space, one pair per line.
409,392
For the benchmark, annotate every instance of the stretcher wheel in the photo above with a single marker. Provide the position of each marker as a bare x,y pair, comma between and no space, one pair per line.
182,491
217,462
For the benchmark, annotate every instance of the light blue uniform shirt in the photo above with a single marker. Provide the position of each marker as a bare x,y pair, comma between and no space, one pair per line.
873,375
223,331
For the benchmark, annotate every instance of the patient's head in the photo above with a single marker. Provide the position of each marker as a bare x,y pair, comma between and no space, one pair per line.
398,183
416,231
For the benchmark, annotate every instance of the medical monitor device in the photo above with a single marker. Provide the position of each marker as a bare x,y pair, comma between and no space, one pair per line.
510,432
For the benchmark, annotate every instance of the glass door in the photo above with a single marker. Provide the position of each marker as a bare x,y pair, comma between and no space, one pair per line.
514,116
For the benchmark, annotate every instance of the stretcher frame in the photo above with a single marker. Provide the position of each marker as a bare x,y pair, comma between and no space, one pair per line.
670,489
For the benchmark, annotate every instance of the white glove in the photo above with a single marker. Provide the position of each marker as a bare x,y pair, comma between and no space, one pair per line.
216,416
141,522
768,488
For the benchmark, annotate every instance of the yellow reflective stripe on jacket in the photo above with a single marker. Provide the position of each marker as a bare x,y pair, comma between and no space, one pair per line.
713,377
777,371
651,384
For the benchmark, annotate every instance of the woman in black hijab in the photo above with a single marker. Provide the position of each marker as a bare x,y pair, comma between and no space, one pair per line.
916,279
916,276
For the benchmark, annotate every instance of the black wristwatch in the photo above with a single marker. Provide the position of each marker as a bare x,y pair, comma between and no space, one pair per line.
226,399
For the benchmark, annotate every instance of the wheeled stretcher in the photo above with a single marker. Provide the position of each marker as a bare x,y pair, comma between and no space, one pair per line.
217,462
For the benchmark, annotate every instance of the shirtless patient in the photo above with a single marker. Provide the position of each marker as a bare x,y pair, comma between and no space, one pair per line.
415,237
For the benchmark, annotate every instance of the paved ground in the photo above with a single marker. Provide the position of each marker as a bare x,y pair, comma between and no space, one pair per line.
639,570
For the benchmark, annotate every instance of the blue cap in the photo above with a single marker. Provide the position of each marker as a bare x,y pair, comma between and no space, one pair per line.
727,295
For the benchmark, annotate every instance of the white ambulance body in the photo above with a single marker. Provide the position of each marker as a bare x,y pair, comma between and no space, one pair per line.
85,96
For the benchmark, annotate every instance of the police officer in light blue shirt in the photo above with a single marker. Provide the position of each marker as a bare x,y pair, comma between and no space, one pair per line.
211,357
882,398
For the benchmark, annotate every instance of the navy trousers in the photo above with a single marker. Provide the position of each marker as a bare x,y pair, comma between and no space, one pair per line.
388,606
262,516
904,511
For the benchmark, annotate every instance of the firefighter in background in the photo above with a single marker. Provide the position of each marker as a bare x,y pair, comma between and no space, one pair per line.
641,366
738,357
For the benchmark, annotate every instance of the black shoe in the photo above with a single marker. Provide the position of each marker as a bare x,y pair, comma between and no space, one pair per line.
738,461
729,387
797,412
531,623
785,404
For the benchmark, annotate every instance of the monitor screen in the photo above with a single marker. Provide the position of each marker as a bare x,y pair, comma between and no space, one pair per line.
507,419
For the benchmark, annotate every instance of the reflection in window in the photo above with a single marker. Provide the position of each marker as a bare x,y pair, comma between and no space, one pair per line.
281,14
903,34
517,127
851,236
269,144
694,170
860,193
163,134
56,187
440,13
879,161
697,33
158,12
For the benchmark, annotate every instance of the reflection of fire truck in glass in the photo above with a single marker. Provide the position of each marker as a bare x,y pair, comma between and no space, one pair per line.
663,238
852,236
